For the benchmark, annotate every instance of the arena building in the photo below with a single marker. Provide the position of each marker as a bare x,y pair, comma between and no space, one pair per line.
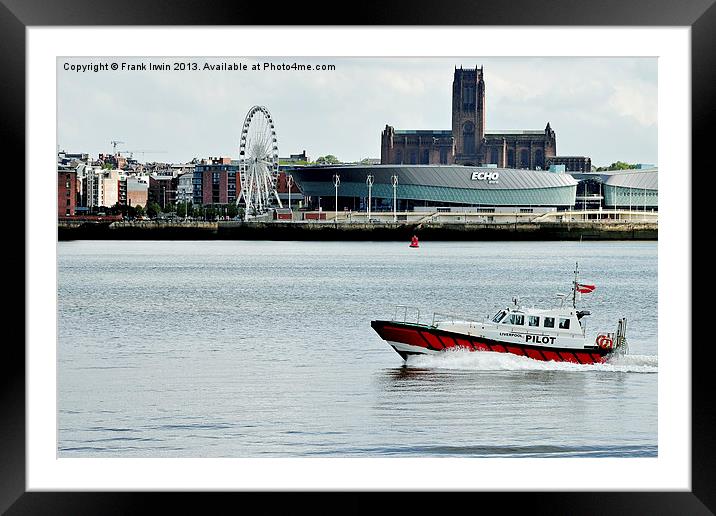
633,189
447,186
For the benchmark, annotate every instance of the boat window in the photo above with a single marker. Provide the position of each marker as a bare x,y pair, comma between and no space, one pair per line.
563,323
549,322
533,320
517,319
499,316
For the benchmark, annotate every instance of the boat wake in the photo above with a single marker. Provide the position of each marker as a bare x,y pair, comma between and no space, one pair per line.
491,361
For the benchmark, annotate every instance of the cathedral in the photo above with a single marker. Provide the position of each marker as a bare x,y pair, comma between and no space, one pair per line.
468,143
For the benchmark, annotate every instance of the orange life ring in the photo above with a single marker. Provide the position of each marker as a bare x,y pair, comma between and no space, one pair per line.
605,342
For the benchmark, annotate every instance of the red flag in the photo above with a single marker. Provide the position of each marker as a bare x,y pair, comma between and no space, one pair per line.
585,289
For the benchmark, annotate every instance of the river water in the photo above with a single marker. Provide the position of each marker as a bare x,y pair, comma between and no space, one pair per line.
264,349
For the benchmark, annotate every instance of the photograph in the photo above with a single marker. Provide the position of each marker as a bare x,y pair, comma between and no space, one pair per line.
426,253
357,257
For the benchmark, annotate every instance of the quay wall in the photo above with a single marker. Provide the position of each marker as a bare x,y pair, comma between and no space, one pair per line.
193,230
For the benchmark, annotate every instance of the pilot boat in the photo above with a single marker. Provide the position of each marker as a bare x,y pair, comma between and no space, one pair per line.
555,334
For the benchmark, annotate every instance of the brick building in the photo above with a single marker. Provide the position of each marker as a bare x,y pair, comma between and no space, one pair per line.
282,190
162,190
137,191
468,142
216,181
66,192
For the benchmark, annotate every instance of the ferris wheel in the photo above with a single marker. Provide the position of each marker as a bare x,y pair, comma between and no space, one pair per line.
258,161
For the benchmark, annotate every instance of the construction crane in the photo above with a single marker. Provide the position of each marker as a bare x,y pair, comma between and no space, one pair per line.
131,152
114,146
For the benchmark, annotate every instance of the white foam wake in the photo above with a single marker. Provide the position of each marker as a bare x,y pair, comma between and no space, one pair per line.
493,361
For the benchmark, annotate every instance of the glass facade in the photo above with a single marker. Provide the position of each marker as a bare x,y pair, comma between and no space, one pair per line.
624,197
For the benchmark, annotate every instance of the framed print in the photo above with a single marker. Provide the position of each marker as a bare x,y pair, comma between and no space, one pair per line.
237,205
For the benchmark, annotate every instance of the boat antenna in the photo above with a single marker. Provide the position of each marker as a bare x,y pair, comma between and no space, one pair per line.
574,287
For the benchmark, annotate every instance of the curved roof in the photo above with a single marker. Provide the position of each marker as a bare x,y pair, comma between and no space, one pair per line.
447,176
641,179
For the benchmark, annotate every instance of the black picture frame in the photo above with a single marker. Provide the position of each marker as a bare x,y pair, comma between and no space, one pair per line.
699,15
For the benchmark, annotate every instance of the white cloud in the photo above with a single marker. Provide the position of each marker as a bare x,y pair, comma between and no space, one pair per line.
636,101
587,101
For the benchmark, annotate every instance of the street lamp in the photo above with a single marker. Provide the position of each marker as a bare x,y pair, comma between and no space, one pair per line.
181,199
584,201
369,182
186,197
289,182
336,182
394,180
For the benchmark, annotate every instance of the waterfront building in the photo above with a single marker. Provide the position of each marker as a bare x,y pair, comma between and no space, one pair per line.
108,188
216,181
81,173
468,142
185,186
440,186
98,187
66,193
122,189
636,189
282,190
73,163
163,190
632,189
137,191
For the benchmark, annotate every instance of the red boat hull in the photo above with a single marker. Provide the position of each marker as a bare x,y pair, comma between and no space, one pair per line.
426,339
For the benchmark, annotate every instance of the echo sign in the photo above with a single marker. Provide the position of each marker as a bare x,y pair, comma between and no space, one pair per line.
490,177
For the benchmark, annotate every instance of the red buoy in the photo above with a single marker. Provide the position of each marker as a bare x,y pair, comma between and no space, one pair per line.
414,242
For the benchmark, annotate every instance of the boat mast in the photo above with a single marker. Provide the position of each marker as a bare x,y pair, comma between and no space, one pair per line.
574,287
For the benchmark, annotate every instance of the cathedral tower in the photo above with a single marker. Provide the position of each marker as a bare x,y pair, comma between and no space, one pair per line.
468,115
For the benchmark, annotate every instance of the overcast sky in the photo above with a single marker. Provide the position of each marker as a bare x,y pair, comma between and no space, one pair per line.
604,108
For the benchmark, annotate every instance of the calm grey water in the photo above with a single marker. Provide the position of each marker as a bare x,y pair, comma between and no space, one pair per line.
258,349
